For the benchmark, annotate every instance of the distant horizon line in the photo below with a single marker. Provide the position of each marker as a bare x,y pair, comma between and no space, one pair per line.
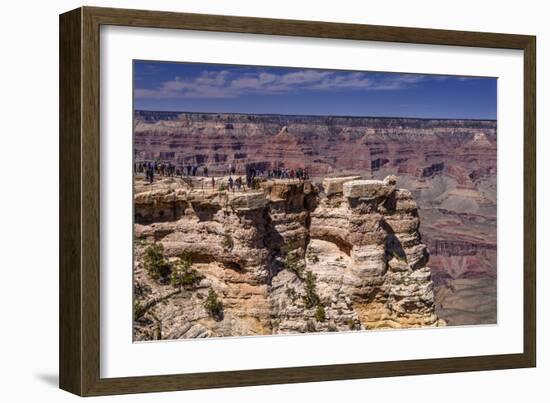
313,115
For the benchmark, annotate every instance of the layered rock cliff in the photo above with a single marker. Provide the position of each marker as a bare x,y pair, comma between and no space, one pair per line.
450,167
288,257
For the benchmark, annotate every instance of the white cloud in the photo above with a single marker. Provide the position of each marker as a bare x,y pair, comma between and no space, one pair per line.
229,84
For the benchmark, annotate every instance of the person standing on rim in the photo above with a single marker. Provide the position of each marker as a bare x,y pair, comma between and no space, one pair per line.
239,182
150,172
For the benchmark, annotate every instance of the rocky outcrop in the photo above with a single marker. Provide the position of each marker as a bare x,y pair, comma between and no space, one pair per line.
376,226
449,166
288,257
336,185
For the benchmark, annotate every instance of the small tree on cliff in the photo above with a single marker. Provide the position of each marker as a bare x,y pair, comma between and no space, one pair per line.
291,258
183,275
320,313
311,299
213,305
155,263
294,264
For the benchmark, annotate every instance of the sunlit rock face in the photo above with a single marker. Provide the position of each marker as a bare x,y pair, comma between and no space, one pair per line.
449,167
357,254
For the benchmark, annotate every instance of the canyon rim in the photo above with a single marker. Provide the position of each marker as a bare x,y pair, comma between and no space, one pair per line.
251,223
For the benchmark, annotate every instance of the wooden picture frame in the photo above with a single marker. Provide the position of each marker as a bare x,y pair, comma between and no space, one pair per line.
79,349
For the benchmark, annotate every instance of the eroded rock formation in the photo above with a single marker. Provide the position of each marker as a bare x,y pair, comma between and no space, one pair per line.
289,257
450,167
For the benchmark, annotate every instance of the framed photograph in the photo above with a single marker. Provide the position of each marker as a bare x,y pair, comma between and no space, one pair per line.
249,201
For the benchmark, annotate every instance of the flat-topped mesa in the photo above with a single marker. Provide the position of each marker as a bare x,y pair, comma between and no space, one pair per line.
358,238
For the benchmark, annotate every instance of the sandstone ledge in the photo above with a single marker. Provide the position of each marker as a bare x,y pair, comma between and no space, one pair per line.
335,185
369,188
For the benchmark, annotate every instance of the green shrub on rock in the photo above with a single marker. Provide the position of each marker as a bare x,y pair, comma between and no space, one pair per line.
311,299
183,275
320,314
155,263
291,259
213,305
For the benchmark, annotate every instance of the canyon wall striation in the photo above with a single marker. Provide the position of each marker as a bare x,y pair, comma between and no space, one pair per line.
289,257
450,167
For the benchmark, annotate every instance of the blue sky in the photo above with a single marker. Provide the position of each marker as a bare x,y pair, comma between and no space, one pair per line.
195,87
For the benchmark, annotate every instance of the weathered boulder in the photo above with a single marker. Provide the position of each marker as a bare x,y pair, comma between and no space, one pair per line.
368,189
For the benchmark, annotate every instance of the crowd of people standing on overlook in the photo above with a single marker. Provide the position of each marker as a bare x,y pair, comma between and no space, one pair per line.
253,175
286,173
168,169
